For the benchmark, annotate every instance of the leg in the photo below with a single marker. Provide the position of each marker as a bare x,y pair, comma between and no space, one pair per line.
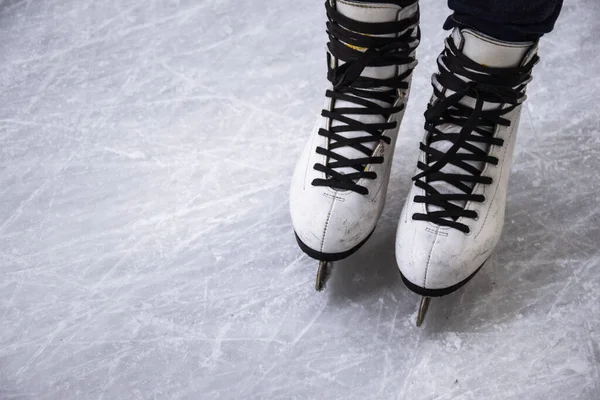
453,217
340,183
508,20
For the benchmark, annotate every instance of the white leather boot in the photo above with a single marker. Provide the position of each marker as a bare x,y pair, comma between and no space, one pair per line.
454,214
340,182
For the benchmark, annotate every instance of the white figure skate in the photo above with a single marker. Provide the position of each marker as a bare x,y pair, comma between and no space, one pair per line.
454,214
340,182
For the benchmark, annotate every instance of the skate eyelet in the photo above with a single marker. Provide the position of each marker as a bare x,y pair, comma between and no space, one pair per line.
468,232
476,216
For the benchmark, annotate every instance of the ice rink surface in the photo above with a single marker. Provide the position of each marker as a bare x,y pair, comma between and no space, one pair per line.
146,251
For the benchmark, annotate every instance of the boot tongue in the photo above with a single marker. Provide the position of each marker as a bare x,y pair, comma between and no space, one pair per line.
491,52
367,12
372,13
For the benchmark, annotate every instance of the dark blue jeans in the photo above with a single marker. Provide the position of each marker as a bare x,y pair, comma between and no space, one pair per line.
509,20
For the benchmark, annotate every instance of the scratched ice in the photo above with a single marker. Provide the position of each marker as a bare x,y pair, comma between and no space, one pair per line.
146,251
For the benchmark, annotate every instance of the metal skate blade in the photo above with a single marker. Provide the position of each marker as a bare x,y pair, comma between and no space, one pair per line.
423,307
323,274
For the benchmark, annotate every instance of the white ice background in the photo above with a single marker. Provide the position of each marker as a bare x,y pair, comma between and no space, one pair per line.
146,250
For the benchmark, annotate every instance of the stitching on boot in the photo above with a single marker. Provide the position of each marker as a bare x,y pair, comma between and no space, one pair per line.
334,197
327,225
429,261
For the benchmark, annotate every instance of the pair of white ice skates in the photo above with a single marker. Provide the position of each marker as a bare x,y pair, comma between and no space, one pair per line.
454,213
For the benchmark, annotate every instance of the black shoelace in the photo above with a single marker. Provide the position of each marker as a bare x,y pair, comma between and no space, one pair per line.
504,87
349,86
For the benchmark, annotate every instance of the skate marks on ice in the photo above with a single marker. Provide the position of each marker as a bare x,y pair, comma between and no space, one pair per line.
368,273
147,249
